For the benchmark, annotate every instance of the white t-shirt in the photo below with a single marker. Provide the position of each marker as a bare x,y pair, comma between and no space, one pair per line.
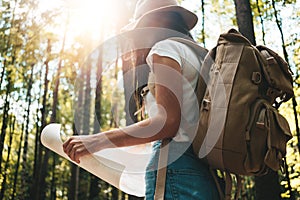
190,65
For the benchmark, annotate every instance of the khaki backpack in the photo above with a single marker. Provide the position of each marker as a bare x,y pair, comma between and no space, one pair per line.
239,90
240,129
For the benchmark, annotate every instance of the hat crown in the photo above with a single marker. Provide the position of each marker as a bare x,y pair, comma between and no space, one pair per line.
145,6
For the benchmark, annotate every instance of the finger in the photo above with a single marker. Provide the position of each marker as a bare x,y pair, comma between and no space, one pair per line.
71,153
75,153
77,156
67,144
70,144
79,152
71,147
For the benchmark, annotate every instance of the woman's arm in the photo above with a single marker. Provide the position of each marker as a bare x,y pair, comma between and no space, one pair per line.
168,92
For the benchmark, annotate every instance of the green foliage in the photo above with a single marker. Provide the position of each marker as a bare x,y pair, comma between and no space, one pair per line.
31,38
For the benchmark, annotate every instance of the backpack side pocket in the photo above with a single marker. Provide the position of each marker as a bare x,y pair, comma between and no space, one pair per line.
279,134
266,139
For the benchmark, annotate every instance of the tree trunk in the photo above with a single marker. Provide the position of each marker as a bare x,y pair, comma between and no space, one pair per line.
77,129
87,99
4,120
294,102
114,193
8,40
267,187
36,143
53,178
36,187
73,184
94,190
6,108
203,23
11,132
244,19
16,174
83,174
25,175
261,22
94,186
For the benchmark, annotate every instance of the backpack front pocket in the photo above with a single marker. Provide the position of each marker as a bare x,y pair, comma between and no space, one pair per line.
279,134
266,136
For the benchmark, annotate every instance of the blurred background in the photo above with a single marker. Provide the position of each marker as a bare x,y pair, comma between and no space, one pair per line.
53,68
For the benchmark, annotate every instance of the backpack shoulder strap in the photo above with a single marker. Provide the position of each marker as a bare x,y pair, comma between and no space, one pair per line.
200,51
205,58
162,170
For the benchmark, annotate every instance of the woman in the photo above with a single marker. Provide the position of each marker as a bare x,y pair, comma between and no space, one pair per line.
171,107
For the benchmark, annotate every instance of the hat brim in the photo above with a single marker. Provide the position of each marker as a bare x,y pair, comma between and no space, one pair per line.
189,17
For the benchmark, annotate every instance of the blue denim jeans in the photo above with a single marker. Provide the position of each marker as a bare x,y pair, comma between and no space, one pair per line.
187,177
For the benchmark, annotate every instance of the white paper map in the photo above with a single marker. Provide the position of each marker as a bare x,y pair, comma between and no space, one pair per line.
123,168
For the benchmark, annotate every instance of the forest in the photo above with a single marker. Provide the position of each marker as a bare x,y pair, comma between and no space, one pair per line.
56,68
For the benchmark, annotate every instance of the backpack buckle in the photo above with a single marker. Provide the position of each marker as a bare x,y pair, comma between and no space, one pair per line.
206,104
271,61
273,93
145,91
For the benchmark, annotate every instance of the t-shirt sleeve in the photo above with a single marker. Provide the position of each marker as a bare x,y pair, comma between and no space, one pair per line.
166,48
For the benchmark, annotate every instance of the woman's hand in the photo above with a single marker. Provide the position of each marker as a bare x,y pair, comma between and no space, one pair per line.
77,146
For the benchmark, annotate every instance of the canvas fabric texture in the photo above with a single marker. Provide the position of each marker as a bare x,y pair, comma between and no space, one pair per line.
241,98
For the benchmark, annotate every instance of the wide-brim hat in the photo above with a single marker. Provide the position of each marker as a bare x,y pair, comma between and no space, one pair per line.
144,8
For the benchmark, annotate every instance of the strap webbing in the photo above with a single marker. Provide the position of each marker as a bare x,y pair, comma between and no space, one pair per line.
228,185
220,191
162,171
238,187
